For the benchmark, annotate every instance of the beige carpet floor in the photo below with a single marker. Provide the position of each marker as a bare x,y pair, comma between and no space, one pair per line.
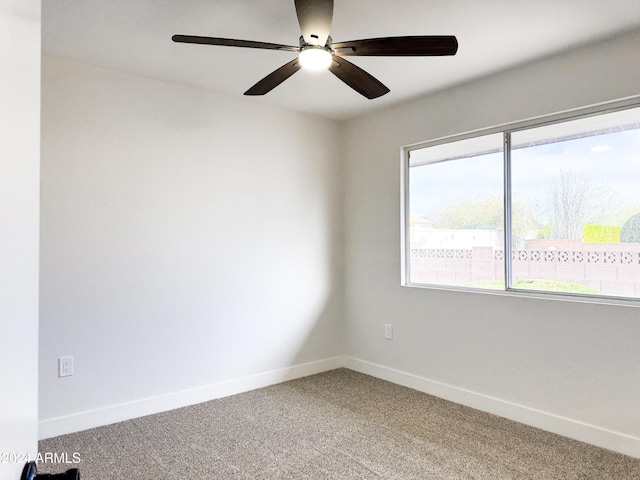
335,425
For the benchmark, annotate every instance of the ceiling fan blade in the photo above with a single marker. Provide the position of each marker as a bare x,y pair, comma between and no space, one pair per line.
314,17
230,42
361,81
274,79
432,45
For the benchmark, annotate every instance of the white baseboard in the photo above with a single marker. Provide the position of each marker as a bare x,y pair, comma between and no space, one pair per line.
53,427
600,437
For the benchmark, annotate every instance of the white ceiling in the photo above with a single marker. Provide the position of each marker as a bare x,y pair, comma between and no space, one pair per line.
135,36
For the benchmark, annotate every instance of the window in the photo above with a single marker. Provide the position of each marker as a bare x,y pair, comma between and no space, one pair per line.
548,206
456,209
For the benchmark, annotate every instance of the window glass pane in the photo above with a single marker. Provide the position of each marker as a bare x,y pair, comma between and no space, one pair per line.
456,206
576,206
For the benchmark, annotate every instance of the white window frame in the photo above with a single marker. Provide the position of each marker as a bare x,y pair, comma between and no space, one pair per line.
506,130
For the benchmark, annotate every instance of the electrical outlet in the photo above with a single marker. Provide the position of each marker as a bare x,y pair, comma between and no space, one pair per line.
388,331
65,366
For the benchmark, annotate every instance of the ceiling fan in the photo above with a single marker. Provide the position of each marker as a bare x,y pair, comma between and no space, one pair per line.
317,51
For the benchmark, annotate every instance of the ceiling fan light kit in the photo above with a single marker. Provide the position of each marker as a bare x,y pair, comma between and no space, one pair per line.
318,52
314,57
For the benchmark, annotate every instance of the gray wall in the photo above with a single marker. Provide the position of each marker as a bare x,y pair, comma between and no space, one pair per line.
571,360
188,239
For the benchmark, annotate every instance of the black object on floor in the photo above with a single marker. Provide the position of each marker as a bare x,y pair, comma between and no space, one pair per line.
30,472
